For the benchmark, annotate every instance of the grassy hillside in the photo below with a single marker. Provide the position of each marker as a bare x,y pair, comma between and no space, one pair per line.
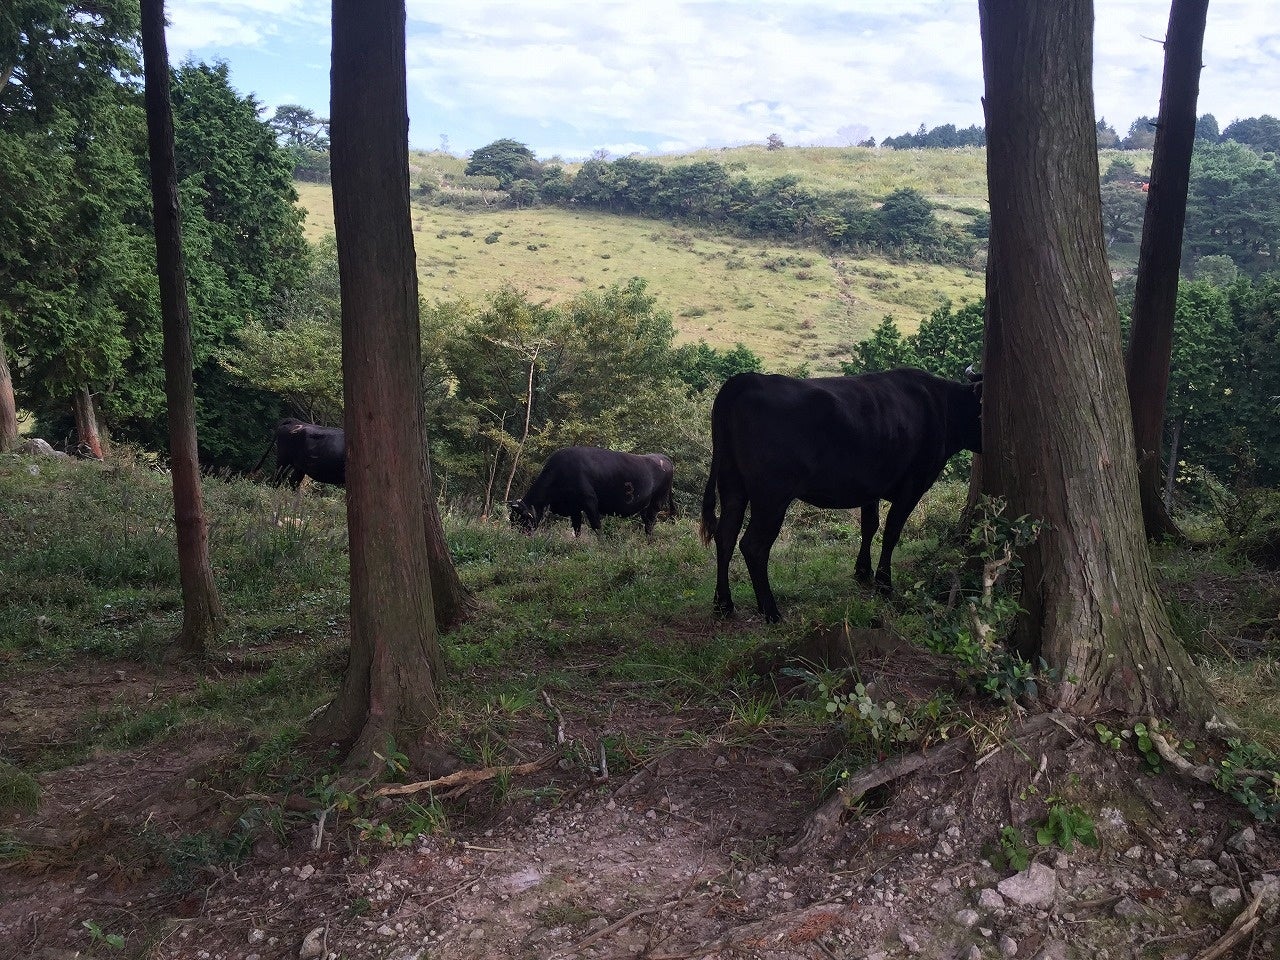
789,304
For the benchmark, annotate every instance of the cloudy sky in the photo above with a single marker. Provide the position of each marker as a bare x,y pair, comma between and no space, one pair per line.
568,77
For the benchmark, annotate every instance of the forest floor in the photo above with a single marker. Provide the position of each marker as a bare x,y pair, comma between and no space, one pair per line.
175,812
690,853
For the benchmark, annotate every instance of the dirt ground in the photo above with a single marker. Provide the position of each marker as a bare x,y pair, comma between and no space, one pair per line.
690,853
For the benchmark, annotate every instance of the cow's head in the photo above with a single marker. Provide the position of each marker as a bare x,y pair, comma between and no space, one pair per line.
524,515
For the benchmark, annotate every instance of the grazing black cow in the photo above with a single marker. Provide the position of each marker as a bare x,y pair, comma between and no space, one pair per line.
837,442
307,449
597,482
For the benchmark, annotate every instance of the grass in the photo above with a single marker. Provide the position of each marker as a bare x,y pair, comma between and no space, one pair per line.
621,619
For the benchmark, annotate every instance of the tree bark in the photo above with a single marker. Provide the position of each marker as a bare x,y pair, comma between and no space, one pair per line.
1171,471
1159,258
388,692
201,607
451,601
87,435
8,404
1058,437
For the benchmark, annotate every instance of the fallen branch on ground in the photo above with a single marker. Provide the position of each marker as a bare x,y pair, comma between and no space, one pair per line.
1240,928
466,777
1199,771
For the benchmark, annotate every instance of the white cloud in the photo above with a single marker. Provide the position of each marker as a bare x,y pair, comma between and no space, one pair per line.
678,74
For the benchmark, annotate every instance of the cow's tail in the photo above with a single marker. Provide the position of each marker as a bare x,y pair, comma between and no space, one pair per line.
707,528
266,453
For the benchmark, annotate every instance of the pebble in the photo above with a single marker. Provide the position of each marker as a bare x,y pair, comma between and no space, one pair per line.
1225,899
1008,946
966,918
989,899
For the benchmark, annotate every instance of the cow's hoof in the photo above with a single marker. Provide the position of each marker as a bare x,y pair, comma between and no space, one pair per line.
862,576
722,611
771,616
884,589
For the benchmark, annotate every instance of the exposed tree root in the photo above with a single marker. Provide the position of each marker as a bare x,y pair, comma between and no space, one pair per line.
1199,771
824,822
466,778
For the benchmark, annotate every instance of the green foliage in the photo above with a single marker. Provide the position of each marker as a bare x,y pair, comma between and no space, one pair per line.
702,366
1065,825
1233,207
947,343
885,723
99,936
1013,850
18,789
507,160
1259,788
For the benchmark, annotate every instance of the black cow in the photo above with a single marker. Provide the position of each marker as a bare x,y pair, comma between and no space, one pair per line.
307,449
597,482
838,442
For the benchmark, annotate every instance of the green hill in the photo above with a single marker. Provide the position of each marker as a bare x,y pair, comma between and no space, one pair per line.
789,304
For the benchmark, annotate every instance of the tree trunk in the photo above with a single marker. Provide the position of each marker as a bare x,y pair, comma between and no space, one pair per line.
1058,438
8,404
1171,472
201,608
1156,296
451,601
388,692
87,435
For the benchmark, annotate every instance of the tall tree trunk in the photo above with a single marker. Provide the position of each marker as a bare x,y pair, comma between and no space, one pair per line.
1156,296
1058,438
201,608
389,691
8,404
87,435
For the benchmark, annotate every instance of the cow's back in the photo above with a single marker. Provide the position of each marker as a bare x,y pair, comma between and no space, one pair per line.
831,441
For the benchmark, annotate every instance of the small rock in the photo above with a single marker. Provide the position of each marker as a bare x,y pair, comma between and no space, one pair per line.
877,955
1134,852
312,944
1225,899
941,886
908,941
1129,909
966,918
1051,950
386,930
1008,946
1245,841
1199,868
257,936
1037,886
476,934
989,899
306,871
975,953
1268,888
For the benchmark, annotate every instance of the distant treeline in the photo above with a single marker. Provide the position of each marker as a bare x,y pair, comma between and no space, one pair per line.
902,224
1258,133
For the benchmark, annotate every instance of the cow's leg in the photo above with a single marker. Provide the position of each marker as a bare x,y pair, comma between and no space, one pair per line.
870,524
761,533
650,516
732,509
576,519
893,524
592,509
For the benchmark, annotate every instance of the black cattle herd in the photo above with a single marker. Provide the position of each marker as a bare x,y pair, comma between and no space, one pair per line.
834,442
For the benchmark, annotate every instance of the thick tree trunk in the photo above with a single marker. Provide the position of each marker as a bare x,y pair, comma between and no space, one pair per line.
1156,296
8,404
1058,437
86,418
201,608
388,692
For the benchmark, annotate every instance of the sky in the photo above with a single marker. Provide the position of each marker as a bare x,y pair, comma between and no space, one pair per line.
571,77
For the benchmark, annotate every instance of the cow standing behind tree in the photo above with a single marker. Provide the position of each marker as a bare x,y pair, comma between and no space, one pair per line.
835,442
307,450
596,482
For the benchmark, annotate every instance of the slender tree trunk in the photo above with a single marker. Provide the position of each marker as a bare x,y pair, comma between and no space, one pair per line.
201,608
86,422
528,417
8,404
452,602
1171,472
1156,296
1058,436
389,691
